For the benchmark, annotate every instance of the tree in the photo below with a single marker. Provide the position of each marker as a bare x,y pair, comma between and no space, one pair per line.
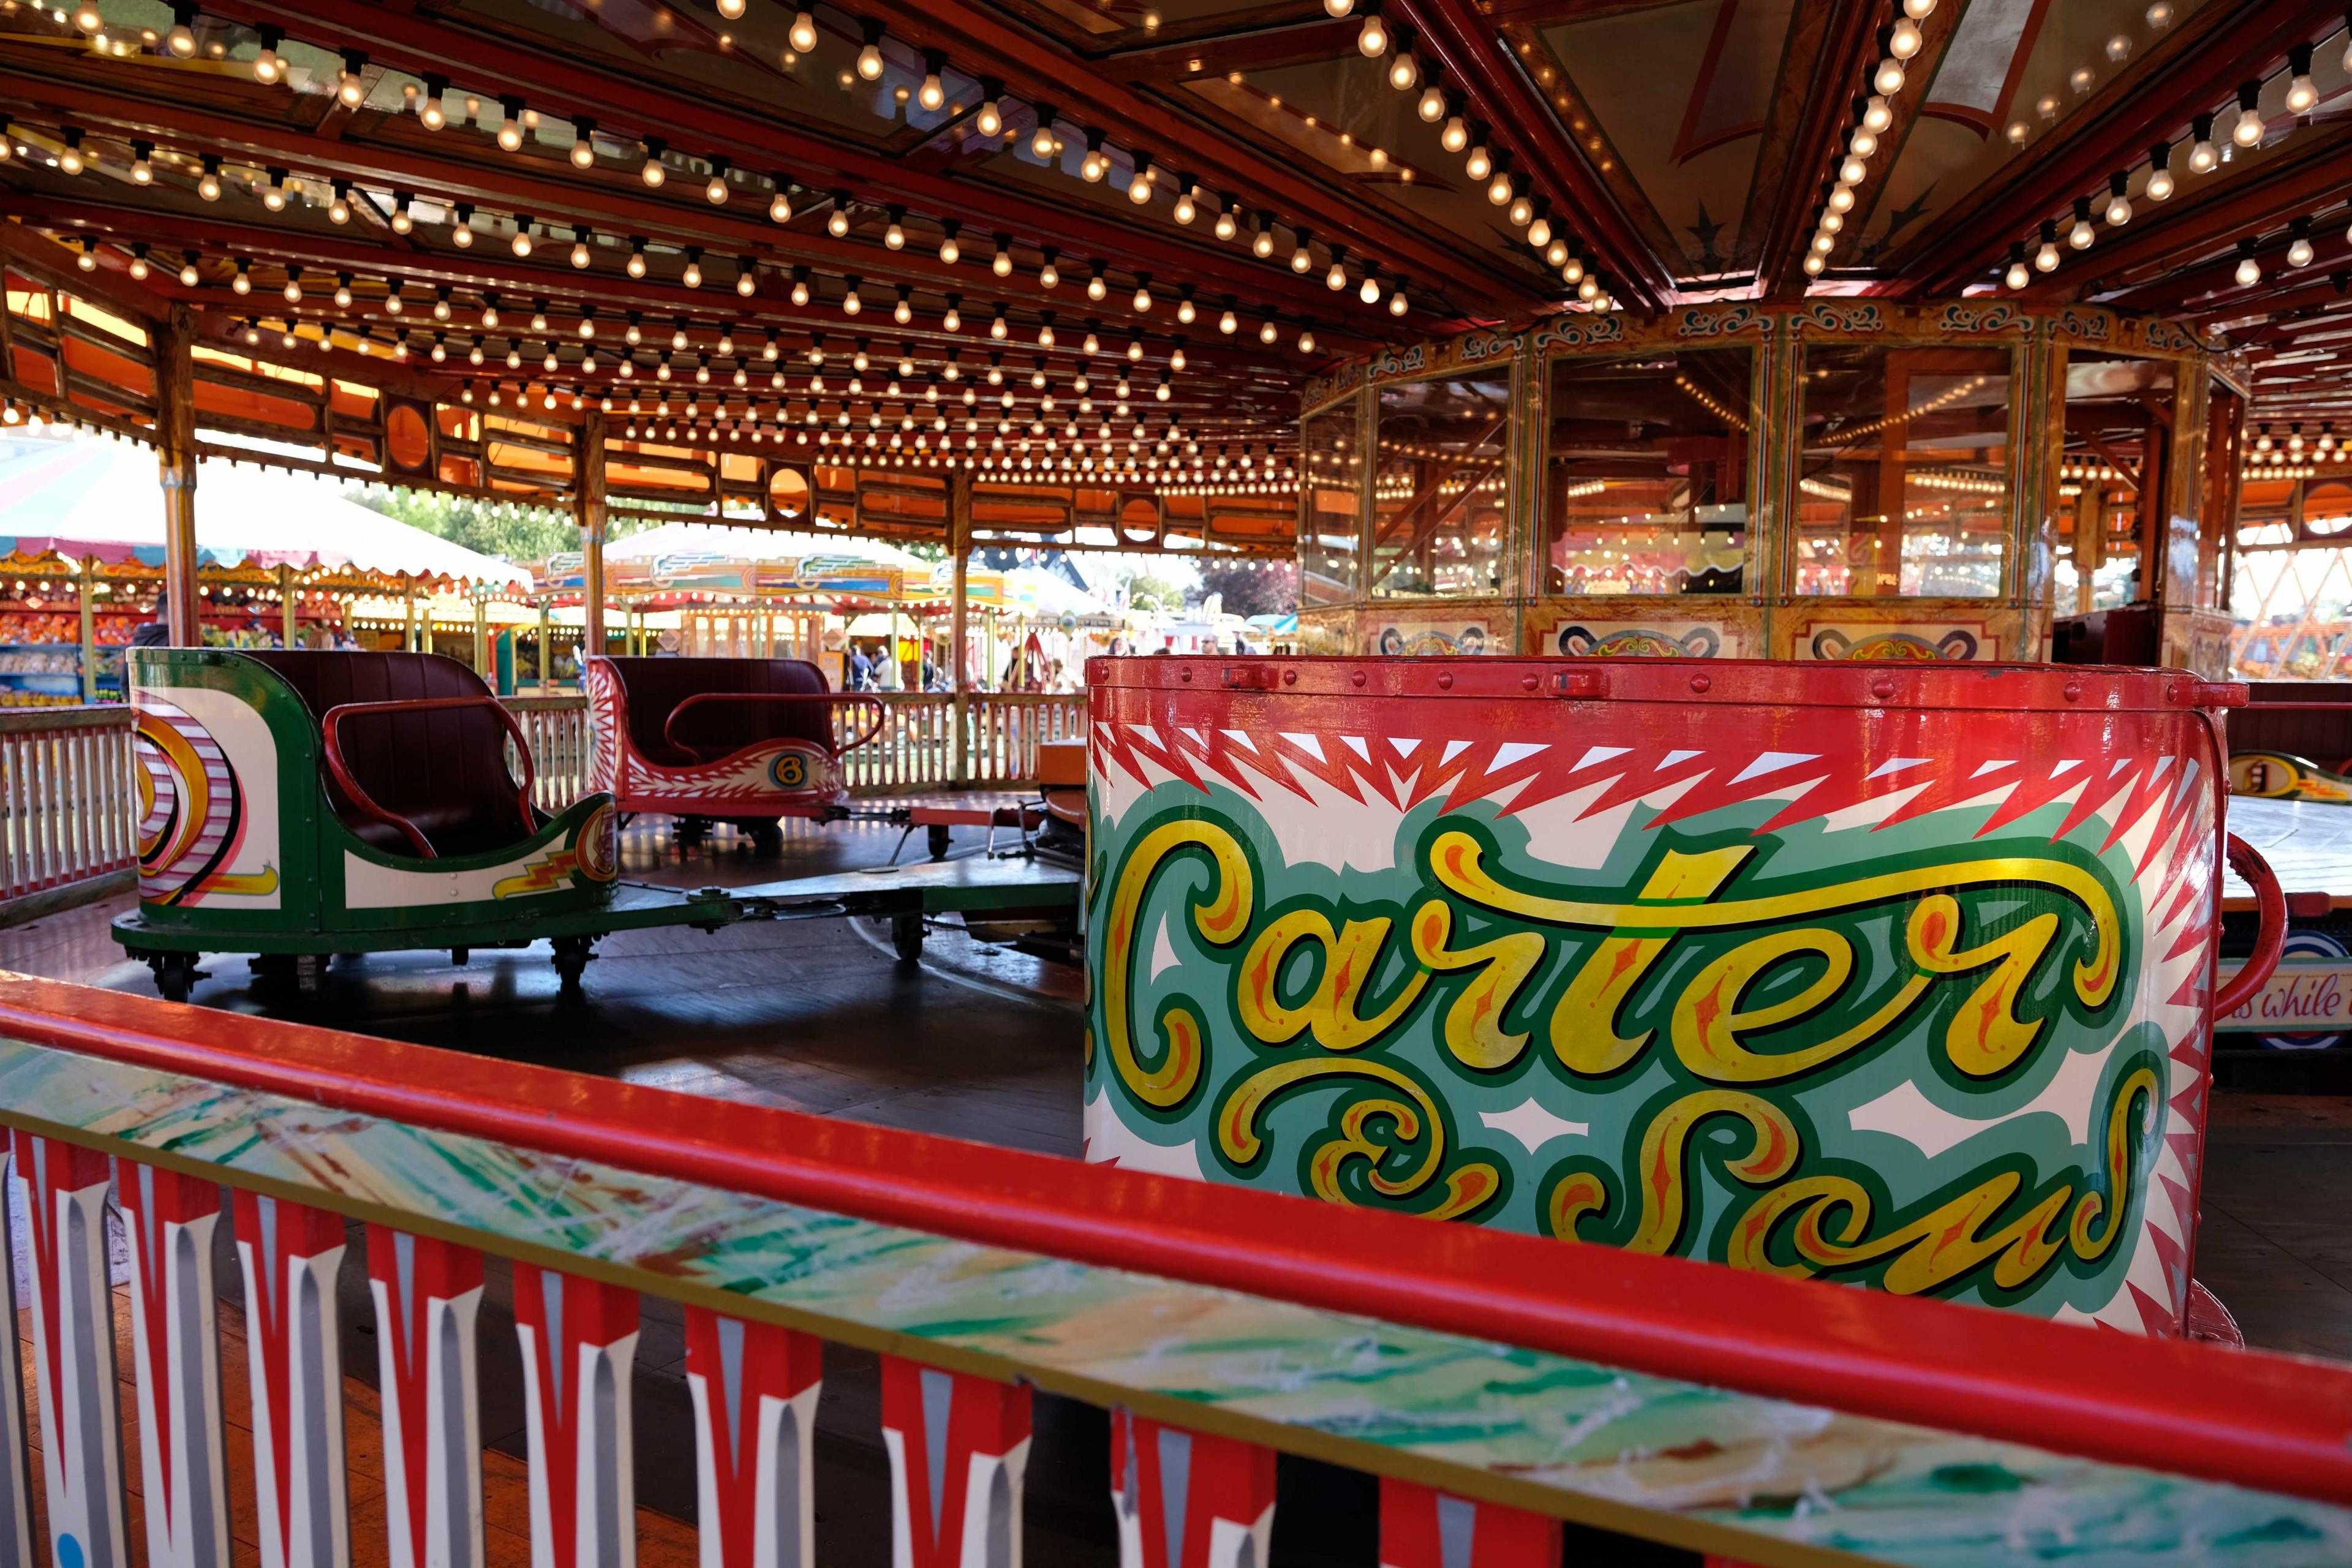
1149,592
1253,588
518,533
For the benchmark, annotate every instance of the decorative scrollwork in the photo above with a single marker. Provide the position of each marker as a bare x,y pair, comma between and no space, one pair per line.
1718,320
1576,332
1966,316
1841,316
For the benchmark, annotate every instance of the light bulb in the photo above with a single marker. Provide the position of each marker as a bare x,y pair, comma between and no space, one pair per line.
1267,332
1262,244
1539,233
1840,198
522,241
2017,276
87,18
1338,8
1226,227
1863,142
273,196
1041,142
895,236
142,173
180,40
2119,210
188,276
1813,265
2299,253
2301,95
1825,243
991,122
209,186
1048,275
1397,304
836,223
715,192
1302,260
1432,107
1001,264
2203,159
510,135
2249,272
934,93
2249,129
1337,277
803,35
1834,223
850,303
88,262
1918,10
2159,186
584,153
692,276
1904,41
651,170
2046,258
1456,136
1405,73
243,282
1877,115
637,268
1498,189
1142,300
293,289
1888,81
1370,290
1138,189
1480,162
1373,41
747,282
869,63
1521,210
1186,210
1228,323
1853,172
267,66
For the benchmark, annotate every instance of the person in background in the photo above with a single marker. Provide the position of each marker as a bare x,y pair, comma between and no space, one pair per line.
151,634
861,669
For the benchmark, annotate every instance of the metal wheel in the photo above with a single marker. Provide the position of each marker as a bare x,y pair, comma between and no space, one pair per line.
768,838
176,974
907,936
941,835
572,956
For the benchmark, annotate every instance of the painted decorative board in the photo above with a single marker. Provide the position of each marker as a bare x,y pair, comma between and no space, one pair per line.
1890,976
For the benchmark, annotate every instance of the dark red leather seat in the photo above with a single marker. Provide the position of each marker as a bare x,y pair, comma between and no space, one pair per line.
445,771
710,730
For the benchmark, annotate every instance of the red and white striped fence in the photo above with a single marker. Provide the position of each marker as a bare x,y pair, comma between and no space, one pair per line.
1496,1383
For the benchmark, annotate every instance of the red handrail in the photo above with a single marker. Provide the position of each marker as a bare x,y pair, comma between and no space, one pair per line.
881,714
331,738
2269,929
2276,1424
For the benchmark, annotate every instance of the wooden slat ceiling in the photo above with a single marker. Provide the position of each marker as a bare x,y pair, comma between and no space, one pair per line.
1674,151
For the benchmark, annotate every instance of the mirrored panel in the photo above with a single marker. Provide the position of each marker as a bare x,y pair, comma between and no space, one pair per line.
1904,472
1440,496
1330,490
1646,474
2111,474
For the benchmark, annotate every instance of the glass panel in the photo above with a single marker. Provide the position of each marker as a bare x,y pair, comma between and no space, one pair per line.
1441,493
1646,474
2118,422
1331,473
1903,484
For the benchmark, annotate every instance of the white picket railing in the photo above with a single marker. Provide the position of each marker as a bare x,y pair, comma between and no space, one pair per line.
68,810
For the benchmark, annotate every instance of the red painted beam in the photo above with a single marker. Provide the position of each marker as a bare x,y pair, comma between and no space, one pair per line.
2276,1424
1467,45
1846,49
2209,53
1041,72
606,201
416,43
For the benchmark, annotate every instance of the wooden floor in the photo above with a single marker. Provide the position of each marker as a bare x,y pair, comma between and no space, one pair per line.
982,1043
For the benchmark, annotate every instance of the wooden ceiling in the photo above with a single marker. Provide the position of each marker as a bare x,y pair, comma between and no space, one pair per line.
1690,149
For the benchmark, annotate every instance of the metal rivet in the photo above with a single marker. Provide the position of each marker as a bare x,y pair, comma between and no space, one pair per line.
1527,683
1883,688
2073,692
1290,677
1445,681
1185,674
1700,683
1358,677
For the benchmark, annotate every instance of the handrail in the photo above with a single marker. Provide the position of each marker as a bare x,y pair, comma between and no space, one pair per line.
2275,1423
881,714
73,716
331,726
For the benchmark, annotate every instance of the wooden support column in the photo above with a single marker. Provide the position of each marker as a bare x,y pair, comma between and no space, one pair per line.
175,461
408,638
286,603
546,649
89,630
960,549
482,638
588,512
